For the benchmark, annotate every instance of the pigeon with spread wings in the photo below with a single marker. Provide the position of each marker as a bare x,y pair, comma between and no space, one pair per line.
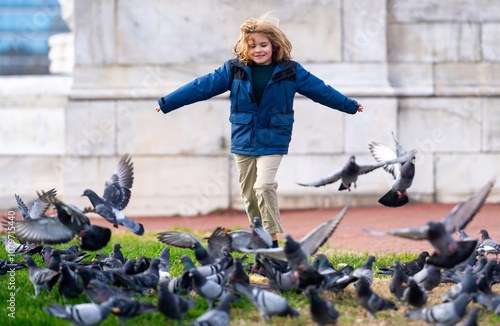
351,170
63,227
403,172
37,209
116,197
448,251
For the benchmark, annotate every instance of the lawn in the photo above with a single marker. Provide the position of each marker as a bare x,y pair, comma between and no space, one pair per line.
28,310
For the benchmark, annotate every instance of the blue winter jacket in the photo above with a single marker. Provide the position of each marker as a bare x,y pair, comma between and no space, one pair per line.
264,129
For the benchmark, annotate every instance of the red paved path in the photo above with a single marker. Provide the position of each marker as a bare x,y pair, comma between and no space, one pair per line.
349,234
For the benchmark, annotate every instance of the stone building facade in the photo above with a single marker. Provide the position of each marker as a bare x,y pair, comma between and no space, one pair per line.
427,70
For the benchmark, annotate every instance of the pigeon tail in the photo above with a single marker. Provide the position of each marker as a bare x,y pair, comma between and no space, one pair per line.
393,199
133,226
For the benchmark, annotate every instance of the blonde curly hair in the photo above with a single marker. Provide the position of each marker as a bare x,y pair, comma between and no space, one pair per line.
267,26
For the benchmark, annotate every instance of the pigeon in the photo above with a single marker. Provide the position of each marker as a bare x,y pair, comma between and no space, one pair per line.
489,245
172,305
143,281
88,274
83,314
444,314
410,267
279,281
369,300
365,271
206,270
164,267
269,303
41,278
180,284
399,281
68,286
339,280
98,292
403,172
214,251
125,307
141,265
70,221
428,278
454,275
207,289
118,254
218,316
323,312
448,252
414,295
37,209
7,266
471,319
322,264
116,197
464,236
350,172
467,285
311,242
14,248
110,262
259,237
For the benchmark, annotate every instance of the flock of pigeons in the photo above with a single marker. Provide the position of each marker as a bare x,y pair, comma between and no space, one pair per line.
112,282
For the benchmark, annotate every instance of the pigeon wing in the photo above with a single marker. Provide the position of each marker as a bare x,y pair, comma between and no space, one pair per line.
464,211
317,237
71,217
48,230
272,253
178,239
331,178
383,153
22,207
218,241
408,233
117,188
39,207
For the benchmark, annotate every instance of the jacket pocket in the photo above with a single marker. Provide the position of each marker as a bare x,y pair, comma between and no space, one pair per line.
281,129
279,120
241,128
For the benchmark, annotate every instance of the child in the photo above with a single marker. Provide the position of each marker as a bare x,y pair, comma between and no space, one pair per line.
263,82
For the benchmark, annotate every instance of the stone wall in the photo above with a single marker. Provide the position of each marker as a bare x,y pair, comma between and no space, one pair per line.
423,69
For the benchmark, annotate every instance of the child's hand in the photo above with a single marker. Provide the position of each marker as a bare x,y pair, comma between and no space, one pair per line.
360,108
158,109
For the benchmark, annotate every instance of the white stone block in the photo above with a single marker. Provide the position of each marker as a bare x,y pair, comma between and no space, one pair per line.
467,79
489,41
95,44
317,128
440,124
32,131
91,128
490,123
364,30
200,128
411,79
376,122
459,176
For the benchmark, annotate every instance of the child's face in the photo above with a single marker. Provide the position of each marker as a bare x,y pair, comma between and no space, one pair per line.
261,49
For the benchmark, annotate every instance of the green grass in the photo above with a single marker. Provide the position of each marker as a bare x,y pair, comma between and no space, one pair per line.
28,311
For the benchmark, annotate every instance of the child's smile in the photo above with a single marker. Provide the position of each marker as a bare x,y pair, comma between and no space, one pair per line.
261,49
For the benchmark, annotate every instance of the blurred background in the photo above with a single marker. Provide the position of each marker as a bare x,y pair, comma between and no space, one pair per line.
79,80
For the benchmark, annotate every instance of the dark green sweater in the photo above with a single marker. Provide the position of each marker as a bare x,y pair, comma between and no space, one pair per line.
260,78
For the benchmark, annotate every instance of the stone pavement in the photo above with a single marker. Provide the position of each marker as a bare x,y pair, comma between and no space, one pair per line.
349,234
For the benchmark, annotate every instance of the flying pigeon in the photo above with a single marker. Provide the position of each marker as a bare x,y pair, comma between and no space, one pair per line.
70,221
489,245
269,303
323,312
37,209
448,313
214,251
311,242
172,305
116,197
403,172
448,251
414,295
410,267
83,314
41,278
350,172
369,300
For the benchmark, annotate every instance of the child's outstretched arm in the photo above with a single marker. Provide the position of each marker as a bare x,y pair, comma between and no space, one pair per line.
360,107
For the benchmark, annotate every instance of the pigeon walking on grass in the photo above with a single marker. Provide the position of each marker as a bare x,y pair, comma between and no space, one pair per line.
143,281
448,252
83,314
402,172
399,281
414,295
369,300
487,244
350,172
428,278
365,271
116,197
68,285
125,307
41,278
410,267
172,305
323,312
217,316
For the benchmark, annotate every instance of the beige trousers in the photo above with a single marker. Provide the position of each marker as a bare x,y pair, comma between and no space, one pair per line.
257,176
